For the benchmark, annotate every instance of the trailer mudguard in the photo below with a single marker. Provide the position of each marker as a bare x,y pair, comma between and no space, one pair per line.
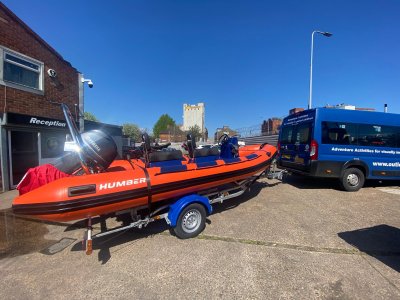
176,208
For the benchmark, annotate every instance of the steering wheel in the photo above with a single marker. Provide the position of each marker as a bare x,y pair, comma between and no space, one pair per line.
77,138
223,139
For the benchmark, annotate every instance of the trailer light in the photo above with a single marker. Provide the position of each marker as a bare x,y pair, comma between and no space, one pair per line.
328,171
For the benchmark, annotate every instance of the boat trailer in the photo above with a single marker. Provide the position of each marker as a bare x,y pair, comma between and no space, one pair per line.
186,216
274,172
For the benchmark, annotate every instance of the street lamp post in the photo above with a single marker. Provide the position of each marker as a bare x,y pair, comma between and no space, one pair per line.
327,34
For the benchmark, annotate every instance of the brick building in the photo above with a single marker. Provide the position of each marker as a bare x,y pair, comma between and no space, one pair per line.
31,74
224,130
271,126
168,136
295,110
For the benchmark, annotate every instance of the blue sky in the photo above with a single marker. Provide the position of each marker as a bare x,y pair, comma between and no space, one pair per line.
247,60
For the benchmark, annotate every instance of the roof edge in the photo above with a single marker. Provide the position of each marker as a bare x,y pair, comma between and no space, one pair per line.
34,34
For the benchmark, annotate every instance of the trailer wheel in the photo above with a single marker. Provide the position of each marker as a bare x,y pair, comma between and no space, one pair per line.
352,179
191,221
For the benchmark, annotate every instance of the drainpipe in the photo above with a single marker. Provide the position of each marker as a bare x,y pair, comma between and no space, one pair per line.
81,103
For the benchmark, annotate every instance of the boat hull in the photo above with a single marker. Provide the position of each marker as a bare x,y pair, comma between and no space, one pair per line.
127,185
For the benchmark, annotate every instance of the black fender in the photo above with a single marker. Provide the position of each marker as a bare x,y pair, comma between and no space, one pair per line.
356,163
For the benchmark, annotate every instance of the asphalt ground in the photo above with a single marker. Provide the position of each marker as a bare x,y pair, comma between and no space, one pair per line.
296,239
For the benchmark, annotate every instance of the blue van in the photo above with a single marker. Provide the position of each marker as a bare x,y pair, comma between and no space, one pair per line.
350,145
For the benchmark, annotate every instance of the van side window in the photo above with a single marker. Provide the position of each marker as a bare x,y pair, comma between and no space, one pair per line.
377,135
339,133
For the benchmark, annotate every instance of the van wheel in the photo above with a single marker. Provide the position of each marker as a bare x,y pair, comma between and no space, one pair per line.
352,179
191,221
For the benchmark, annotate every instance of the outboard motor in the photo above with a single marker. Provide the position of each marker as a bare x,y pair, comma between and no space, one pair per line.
99,151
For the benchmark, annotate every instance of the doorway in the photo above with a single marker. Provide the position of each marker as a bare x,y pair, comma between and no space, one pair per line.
24,154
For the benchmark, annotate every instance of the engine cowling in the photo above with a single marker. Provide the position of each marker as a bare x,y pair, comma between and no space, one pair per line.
99,150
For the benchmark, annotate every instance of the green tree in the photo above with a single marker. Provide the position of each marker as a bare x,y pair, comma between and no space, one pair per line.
133,131
163,123
195,131
90,117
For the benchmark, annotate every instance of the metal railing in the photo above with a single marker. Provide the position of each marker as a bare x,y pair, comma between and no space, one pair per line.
261,139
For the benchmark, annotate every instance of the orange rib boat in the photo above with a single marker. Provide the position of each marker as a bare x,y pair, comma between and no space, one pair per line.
128,184
99,185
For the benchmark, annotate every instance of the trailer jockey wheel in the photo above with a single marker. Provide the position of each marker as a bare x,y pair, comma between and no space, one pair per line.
191,221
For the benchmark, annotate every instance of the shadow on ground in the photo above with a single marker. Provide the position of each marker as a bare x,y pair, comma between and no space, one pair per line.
251,193
383,183
307,182
381,242
19,236
105,243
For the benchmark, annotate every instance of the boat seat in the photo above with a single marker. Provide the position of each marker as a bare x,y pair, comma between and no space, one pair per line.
206,152
206,155
165,158
210,153
165,155
154,158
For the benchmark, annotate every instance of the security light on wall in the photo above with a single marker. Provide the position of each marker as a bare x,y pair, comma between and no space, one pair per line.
52,73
